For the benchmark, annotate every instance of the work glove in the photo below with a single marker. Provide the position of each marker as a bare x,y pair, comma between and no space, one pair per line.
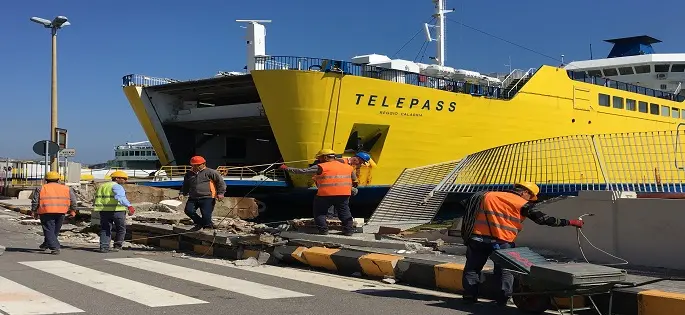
71,214
283,167
34,214
219,197
576,223
131,210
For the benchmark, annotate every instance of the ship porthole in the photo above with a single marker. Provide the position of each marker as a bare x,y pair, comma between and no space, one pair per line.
573,120
589,122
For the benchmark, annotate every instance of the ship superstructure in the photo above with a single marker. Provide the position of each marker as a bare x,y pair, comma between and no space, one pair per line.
405,114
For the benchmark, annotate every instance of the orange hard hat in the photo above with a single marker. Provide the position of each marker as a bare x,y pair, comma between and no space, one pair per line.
197,160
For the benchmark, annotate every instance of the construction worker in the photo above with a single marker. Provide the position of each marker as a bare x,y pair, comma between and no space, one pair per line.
357,160
498,219
111,203
50,203
203,186
334,181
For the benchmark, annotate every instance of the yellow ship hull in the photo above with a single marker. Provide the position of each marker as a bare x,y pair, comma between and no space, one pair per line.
418,125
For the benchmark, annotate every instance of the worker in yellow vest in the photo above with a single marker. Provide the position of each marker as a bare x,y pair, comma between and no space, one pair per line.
334,181
50,203
111,204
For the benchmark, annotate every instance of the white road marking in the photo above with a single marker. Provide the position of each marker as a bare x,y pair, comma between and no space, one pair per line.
213,280
128,289
325,279
16,299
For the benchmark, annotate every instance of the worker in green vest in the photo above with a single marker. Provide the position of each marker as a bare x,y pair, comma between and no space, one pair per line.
111,203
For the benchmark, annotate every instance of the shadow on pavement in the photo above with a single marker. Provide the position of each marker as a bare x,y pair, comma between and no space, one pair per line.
482,308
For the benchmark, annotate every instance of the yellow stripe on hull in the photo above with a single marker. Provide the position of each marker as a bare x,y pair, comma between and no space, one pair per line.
133,94
310,110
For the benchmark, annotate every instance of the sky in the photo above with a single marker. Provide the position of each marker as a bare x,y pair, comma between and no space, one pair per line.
189,40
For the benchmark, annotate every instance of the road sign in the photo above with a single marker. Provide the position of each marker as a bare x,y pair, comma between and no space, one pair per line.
39,147
61,137
67,152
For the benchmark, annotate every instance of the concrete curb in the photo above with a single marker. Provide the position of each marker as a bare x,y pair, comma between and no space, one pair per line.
447,277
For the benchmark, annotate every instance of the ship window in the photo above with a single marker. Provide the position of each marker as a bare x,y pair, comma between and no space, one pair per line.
675,112
136,153
236,148
665,111
618,102
654,109
642,107
630,104
678,68
594,73
610,72
154,153
603,100
625,70
643,69
682,115
661,68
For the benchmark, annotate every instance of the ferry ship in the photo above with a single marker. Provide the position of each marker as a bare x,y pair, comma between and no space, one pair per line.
405,114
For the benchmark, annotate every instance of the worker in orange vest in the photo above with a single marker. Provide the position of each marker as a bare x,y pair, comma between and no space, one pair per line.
50,203
334,181
498,220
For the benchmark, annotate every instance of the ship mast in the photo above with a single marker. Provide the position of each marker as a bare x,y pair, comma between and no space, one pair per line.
440,12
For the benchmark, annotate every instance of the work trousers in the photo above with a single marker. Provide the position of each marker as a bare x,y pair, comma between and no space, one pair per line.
477,254
206,206
331,210
107,220
341,204
52,223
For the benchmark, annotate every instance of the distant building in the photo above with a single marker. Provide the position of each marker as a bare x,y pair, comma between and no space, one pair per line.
135,155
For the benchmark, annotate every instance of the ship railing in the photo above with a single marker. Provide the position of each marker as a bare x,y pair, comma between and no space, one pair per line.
583,77
521,81
640,162
177,172
400,76
144,81
513,75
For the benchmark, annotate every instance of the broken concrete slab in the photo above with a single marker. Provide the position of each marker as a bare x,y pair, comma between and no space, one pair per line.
26,194
2,250
359,239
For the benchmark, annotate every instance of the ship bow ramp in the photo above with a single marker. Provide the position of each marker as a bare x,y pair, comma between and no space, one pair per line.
220,118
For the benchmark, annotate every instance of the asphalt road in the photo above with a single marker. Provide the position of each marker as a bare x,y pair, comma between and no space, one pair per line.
82,281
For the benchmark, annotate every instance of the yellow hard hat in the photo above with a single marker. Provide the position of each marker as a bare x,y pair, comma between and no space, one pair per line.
325,152
119,174
531,187
52,176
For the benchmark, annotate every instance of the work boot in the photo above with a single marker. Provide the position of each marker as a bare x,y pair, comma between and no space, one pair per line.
43,246
103,250
54,251
323,232
348,233
116,248
196,227
502,301
469,300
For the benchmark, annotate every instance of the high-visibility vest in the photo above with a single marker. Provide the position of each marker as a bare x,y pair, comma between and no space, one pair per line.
54,198
500,216
104,199
335,179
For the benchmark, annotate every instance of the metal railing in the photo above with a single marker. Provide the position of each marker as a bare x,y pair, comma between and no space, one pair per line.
346,67
520,82
177,172
143,80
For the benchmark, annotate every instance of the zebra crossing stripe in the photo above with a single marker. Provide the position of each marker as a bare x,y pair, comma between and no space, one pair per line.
128,289
16,299
239,286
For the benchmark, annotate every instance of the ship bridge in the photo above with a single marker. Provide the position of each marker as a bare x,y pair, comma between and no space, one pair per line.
634,60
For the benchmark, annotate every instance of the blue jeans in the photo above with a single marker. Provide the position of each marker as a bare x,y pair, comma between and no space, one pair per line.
206,206
107,219
52,223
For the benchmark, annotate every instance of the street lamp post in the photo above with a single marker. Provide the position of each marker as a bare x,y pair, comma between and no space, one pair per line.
54,25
